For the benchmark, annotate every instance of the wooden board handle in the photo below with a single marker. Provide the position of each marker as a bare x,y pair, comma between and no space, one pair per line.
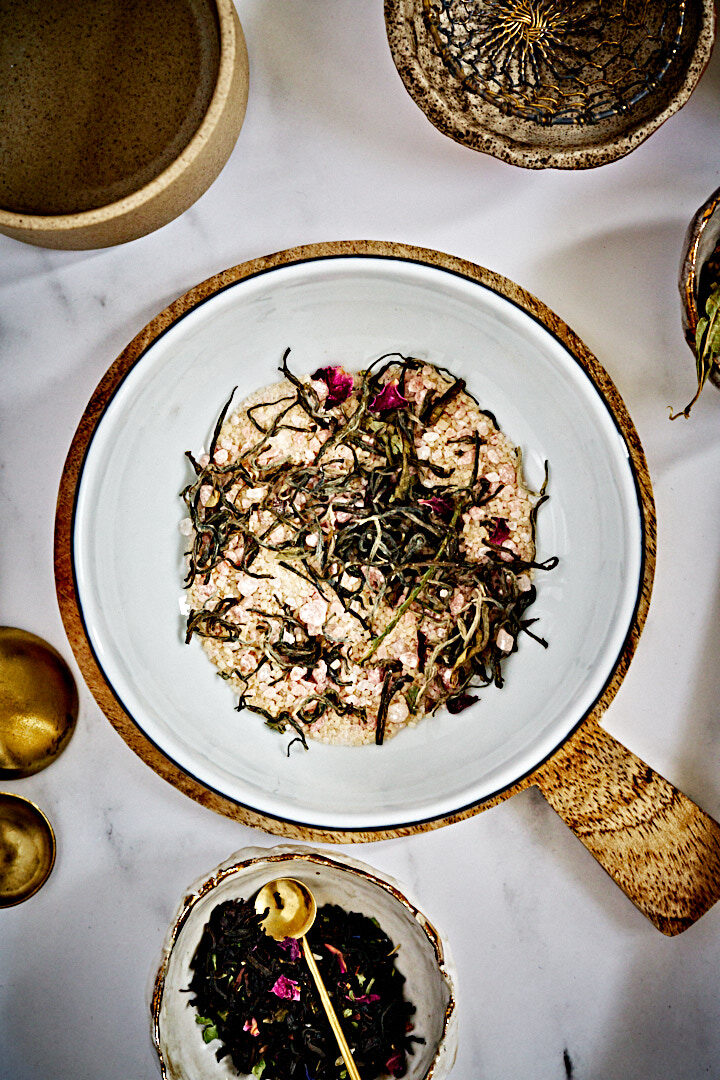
661,849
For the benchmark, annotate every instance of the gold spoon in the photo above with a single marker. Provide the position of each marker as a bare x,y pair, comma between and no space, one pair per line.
291,911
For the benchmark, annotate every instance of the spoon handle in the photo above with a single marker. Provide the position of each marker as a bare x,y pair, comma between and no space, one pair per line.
327,1005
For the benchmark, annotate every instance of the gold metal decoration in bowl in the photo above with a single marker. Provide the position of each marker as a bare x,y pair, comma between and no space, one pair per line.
38,703
550,83
116,116
27,849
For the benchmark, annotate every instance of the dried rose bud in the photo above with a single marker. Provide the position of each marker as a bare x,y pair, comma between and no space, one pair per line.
388,399
338,382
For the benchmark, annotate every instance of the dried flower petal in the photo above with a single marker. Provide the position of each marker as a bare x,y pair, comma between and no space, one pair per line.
251,1026
286,988
440,505
498,532
396,1064
338,382
340,957
290,944
388,399
460,703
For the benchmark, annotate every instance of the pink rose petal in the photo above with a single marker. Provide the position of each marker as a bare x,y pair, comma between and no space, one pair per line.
388,399
340,957
338,382
498,532
286,988
439,505
290,943
395,1064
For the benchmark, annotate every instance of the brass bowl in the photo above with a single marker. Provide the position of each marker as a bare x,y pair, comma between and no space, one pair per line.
38,703
27,849
544,83
700,253
117,117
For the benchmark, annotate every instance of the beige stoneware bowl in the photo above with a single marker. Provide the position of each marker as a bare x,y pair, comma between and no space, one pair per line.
115,117
546,83
423,955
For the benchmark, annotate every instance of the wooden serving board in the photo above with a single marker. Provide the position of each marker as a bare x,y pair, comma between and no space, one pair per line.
661,849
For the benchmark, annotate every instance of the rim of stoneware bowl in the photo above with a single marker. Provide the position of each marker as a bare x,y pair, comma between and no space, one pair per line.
229,40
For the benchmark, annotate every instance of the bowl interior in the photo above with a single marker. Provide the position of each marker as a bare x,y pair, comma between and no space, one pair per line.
179,1038
127,548
99,98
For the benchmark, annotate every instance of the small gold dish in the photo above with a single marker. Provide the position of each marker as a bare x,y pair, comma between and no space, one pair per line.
27,849
38,703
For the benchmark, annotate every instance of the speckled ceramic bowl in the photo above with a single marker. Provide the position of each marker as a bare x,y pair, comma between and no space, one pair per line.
543,83
423,956
116,117
701,244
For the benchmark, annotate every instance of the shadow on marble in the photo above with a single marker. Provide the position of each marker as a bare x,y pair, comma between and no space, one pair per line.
634,314
696,771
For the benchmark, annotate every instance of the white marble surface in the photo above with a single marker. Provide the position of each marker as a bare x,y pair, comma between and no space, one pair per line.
559,975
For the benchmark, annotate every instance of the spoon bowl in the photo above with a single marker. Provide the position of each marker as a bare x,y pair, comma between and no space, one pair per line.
290,906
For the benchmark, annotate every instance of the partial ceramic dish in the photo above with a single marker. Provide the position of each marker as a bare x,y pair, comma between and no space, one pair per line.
116,125
546,84
423,956
119,561
701,245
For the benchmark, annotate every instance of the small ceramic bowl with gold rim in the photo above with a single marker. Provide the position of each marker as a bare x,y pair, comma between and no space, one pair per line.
422,955
700,268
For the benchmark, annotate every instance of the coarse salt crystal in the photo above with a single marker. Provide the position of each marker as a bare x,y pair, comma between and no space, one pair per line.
246,585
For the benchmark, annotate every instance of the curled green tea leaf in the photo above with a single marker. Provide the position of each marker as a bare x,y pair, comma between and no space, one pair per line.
707,346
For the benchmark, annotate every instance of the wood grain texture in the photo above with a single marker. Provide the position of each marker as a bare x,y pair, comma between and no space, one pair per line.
65,584
658,846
